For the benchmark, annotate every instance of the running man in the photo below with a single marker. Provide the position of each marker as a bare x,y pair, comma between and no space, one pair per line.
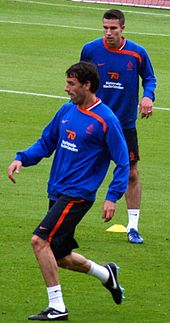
85,136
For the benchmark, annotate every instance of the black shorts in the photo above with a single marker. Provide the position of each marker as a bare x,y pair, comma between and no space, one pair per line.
132,143
58,226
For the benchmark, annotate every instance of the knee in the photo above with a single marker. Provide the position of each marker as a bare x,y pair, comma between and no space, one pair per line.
37,243
134,175
65,262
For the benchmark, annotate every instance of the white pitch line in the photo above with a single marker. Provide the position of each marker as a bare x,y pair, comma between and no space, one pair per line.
35,94
48,25
90,8
55,96
75,27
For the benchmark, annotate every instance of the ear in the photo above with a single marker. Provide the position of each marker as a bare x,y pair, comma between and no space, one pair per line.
87,85
123,27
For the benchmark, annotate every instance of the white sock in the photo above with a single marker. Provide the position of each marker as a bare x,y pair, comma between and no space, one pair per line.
99,272
55,298
133,215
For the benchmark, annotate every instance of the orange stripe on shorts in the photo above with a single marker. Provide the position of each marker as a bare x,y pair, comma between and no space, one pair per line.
62,217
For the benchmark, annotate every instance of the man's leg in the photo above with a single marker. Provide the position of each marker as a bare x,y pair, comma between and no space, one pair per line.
49,269
53,239
46,260
107,274
133,201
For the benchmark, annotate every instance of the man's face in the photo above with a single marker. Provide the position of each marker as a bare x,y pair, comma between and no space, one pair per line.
75,90
112,32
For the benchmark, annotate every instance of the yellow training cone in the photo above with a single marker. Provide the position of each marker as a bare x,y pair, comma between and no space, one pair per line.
117,228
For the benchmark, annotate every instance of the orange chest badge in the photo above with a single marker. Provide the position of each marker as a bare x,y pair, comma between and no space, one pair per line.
113,75
71,134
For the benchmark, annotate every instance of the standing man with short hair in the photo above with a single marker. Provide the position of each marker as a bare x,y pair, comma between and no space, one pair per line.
85,136
120,63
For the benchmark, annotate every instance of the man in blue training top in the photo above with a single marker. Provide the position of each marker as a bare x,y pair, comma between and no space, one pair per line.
85,136
120,63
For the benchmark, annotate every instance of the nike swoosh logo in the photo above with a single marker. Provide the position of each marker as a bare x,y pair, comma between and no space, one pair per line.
114,281
54,316
43,228
101,64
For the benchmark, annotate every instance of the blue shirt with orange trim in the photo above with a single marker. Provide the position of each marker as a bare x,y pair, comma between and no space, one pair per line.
120,71
84,141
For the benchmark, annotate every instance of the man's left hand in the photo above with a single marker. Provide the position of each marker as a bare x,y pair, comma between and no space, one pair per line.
146,107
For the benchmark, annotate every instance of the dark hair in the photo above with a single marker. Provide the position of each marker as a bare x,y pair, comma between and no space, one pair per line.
85,71
115,14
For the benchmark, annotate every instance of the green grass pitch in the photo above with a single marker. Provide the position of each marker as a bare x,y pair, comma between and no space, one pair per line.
39,41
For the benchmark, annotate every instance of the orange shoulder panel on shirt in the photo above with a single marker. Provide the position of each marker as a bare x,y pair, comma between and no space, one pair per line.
123,51
96,116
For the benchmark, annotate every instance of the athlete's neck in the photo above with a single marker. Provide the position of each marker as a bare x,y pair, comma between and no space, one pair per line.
118,45
121,43
88,102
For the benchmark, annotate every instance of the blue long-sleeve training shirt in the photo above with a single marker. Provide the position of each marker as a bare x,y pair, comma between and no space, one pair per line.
119,71
84,142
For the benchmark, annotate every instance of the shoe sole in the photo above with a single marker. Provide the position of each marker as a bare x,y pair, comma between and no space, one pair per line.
65,318
135,242
36,318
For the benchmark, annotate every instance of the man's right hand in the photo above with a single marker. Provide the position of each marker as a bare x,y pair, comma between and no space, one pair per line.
14,167
109,209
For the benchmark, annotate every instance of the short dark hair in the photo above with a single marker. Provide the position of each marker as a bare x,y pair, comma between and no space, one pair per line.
85,71
115,14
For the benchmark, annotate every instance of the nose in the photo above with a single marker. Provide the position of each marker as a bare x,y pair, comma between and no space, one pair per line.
66,89
108,32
